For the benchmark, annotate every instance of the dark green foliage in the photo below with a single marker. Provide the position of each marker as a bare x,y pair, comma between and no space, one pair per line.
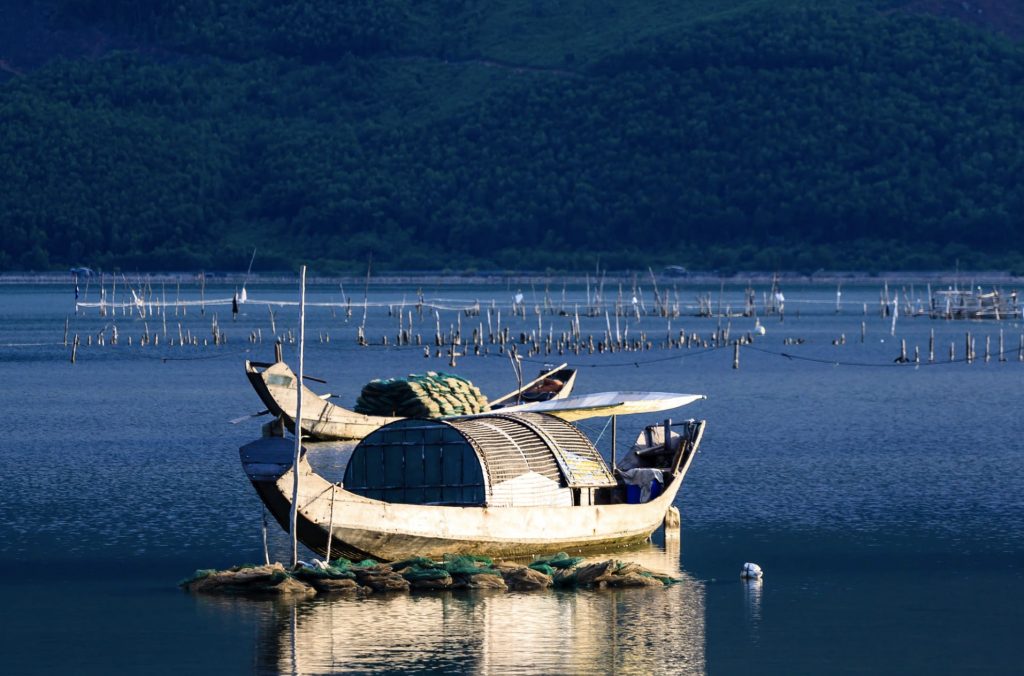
772,137
312,29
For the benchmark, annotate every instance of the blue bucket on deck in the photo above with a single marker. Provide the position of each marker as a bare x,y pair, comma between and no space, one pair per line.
633,492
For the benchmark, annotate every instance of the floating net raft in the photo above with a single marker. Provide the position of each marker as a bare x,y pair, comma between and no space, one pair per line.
430,395
422,574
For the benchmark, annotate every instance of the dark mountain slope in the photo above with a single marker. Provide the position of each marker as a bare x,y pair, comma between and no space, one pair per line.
752,134
1002,16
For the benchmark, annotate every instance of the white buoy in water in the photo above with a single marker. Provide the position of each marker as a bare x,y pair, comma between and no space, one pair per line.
751,571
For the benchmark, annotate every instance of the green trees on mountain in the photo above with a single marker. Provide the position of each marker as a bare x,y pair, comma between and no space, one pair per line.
779,138
312,29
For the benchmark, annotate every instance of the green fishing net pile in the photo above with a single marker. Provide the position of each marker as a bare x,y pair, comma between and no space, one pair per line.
431,395
549,565
200,574
421,568
263,578
559,567
413,570
454,572
337,569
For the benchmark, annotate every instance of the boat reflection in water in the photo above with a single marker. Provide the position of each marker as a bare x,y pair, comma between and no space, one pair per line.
646,630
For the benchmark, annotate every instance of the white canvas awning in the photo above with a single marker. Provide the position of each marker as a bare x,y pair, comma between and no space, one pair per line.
607,403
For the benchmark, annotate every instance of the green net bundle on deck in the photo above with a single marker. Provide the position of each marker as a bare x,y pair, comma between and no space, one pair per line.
430,395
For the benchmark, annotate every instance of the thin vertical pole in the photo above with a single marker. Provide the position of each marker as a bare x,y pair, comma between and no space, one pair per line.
294,516
330,528
266,550
615,432
668,433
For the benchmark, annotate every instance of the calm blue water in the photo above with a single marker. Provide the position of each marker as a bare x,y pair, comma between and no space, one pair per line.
884,502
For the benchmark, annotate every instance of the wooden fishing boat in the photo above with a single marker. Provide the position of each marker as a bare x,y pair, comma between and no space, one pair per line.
323,420
509,483
552,385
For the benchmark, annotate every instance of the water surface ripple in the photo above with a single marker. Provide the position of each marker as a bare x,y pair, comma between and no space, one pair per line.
884,502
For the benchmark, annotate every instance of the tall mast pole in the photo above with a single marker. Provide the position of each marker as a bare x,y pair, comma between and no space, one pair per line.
294,516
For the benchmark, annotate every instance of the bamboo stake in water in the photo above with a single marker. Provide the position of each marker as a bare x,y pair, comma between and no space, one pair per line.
366,289
615,430
330,529
294,516
266,550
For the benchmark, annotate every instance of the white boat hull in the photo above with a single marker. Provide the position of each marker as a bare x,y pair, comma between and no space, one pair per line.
361,527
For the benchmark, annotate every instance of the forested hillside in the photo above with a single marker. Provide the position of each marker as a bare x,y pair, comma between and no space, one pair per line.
516,134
